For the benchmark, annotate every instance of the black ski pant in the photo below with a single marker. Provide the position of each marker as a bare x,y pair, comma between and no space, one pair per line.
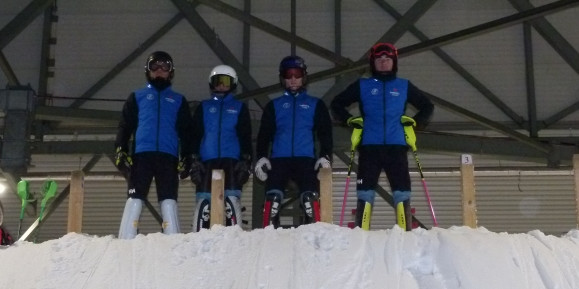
228,167
299,169
149,165
393,159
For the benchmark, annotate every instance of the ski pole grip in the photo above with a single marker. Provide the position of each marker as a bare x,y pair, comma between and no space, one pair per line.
356,137
408,124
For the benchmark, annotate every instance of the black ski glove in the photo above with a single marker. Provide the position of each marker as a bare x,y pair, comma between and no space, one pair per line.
123,162
242,169
197,170
184,166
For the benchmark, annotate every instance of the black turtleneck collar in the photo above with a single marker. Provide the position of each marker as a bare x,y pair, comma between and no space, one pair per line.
219,95
160,84
384,77
295,93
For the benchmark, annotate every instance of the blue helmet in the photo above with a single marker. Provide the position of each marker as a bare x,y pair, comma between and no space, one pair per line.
292,62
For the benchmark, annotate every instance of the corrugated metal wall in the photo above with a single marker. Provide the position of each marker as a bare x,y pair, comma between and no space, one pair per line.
520,202
508,200
103,207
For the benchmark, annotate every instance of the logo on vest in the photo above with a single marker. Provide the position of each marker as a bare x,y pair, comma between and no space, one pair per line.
286,105
305,106
374,91
394,92
213,109
150,96
169,99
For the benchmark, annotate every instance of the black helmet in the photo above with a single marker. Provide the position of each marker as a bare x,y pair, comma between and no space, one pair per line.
290,62
380,49
167,65
160,56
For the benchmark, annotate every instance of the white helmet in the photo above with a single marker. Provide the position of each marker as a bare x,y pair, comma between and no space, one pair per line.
221,70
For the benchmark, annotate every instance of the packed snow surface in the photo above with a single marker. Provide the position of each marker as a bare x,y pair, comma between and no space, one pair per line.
320,256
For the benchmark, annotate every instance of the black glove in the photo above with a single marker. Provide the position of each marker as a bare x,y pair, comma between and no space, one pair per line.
242,169
184,166
197,170
123,162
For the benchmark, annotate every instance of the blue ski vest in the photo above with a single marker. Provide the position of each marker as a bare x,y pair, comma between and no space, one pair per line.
382,106
157,129
220,119
294,118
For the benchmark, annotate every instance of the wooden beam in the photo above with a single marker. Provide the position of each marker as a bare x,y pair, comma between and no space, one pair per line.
217,214
326,208
76,202
469,216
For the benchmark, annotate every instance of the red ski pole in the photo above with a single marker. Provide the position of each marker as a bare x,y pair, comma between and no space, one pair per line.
356,135
346,189
409,124
425,188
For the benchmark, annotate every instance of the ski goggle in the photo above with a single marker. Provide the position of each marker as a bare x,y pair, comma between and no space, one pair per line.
293,72
155,65
383,49
223,79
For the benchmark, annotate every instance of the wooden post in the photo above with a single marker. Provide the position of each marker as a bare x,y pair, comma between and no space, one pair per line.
75,202
576,176
217,214
326,208
469,216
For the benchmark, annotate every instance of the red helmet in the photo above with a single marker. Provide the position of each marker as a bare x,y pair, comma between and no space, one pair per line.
384,48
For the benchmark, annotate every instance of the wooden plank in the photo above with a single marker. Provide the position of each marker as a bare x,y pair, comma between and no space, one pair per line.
217,214
76,202
576,178
469,215
326,208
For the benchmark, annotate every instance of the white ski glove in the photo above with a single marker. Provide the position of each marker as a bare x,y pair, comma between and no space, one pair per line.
259,171
322,162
